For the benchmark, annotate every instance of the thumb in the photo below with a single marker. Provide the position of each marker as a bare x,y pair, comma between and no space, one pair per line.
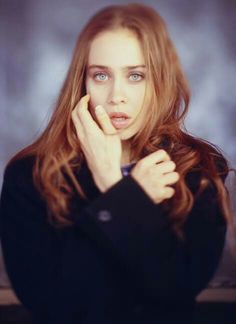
104,121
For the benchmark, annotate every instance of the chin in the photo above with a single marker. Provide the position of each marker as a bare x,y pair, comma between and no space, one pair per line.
125,135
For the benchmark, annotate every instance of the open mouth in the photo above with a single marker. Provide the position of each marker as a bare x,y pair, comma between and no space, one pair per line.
119,119
120,122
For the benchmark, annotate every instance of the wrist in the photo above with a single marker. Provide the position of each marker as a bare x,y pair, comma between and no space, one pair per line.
109,180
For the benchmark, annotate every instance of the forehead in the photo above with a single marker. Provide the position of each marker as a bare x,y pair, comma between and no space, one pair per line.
116,49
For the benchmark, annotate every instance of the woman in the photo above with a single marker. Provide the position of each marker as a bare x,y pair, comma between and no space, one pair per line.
115,213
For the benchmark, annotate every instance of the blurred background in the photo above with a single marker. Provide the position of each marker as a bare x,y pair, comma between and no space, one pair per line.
37,42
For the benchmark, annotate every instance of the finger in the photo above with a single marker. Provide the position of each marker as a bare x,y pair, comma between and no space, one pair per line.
165,167
84,115
78,126
104,120
168,192
169,178
155,157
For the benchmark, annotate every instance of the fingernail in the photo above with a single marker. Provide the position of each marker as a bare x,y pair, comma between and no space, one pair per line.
99,110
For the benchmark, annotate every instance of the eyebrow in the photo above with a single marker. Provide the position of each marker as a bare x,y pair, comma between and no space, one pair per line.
130,67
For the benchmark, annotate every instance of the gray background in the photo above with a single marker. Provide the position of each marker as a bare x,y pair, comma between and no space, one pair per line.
37,41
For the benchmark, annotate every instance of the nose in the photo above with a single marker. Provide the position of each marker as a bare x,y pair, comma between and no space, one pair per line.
117,95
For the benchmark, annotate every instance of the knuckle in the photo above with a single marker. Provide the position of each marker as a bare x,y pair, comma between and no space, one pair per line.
166,192
172,163
161,192
161,180
161,151
164,154
177,176
141,164
172,192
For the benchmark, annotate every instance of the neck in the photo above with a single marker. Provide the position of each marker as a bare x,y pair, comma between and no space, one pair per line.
125,159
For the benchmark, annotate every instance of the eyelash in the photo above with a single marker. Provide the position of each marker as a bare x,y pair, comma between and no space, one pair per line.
99,73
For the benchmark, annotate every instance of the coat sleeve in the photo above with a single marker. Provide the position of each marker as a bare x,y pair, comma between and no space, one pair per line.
163,267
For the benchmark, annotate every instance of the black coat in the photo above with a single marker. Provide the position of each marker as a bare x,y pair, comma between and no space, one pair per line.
120,263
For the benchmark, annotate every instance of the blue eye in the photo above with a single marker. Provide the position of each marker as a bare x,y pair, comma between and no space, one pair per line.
99,74
140,76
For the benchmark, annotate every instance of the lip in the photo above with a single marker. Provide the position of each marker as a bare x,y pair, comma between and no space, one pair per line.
118,114
118,124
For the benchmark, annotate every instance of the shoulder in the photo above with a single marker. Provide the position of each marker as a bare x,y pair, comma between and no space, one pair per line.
211,166
21,204
19,170
19,193
218,162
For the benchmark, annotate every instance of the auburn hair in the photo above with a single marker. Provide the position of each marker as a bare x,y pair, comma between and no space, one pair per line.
58,153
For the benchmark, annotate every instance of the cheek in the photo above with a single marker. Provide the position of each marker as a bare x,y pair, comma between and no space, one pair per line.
95,94
138,99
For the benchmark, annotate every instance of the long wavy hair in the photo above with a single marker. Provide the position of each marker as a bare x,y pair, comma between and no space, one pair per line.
58,153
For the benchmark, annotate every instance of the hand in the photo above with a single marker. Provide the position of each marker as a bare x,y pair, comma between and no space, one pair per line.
155,173
101,146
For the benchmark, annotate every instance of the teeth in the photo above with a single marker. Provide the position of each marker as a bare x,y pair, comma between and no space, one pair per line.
119,118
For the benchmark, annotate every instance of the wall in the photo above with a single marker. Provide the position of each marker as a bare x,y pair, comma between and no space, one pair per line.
39,37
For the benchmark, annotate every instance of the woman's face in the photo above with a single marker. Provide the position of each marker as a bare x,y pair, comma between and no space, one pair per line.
113,81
